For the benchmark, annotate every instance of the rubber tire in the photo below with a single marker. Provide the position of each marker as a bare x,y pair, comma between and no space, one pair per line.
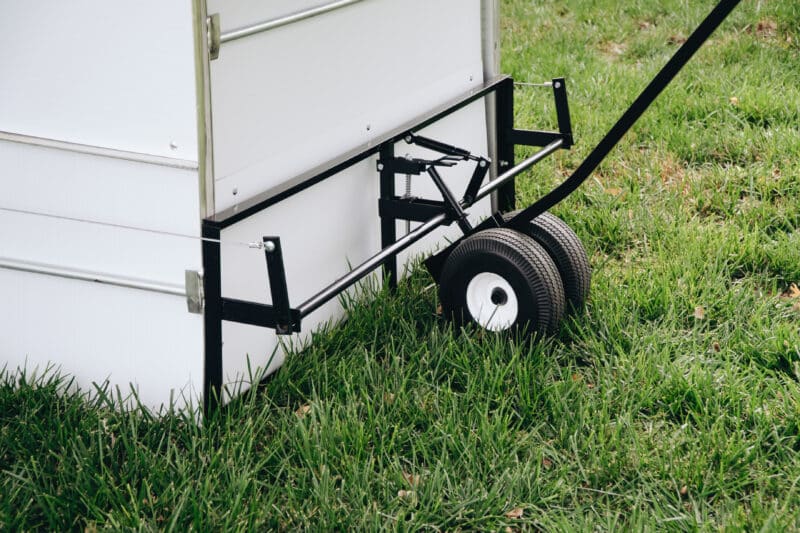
568,253
524,265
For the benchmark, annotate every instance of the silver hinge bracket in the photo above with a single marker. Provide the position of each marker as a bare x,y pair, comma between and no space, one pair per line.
213,35
194,292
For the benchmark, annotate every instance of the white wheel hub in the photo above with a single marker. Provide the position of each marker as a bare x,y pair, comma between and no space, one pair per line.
492,302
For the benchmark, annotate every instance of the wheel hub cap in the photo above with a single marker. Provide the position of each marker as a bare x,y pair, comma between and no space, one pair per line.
491,301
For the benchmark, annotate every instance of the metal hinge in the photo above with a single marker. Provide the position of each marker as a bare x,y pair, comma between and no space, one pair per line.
195,299
213,35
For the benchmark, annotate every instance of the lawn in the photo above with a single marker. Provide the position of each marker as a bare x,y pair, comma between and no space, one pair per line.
671,402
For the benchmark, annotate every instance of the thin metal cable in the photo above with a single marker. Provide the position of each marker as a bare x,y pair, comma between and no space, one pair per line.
253,245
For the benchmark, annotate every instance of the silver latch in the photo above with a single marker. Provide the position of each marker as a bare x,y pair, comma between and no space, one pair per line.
213,35
194,292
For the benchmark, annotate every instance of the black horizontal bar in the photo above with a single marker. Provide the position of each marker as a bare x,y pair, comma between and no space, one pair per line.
255,314
414,209
535,137
249,207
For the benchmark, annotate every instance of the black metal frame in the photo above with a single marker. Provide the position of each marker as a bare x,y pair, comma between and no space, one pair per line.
432,213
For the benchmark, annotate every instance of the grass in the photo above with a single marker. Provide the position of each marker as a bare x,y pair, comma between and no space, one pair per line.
672,403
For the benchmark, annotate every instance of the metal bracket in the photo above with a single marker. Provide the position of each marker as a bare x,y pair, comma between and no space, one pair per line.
403,165
194,292
213,35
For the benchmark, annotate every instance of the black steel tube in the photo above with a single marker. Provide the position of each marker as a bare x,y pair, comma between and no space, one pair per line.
629,118
333,290
450,200
212,288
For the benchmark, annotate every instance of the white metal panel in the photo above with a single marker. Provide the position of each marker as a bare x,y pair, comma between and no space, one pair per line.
97,248
289,99
98,214
112,74
324,231
96,332
97,188
295,97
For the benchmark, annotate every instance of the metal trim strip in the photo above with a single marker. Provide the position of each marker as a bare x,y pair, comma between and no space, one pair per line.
260,27
113,153
96,277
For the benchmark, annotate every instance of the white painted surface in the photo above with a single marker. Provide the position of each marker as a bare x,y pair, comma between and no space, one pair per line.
111,74
324,231
99,194
97,332
113,218
295,97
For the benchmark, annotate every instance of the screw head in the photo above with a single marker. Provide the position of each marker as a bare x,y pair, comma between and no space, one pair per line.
482,163
269,246
380,166
557,85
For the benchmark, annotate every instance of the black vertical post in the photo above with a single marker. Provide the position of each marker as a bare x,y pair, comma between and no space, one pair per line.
562,111
212,289
388,223
277,285
506,195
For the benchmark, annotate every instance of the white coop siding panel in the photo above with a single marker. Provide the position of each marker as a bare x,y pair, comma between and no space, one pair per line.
96,332
98,214
289,99
324,231
112,74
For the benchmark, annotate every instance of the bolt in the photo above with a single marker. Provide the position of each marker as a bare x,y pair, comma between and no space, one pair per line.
557,85
482,163
408,139
269,246
503,163
380,167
